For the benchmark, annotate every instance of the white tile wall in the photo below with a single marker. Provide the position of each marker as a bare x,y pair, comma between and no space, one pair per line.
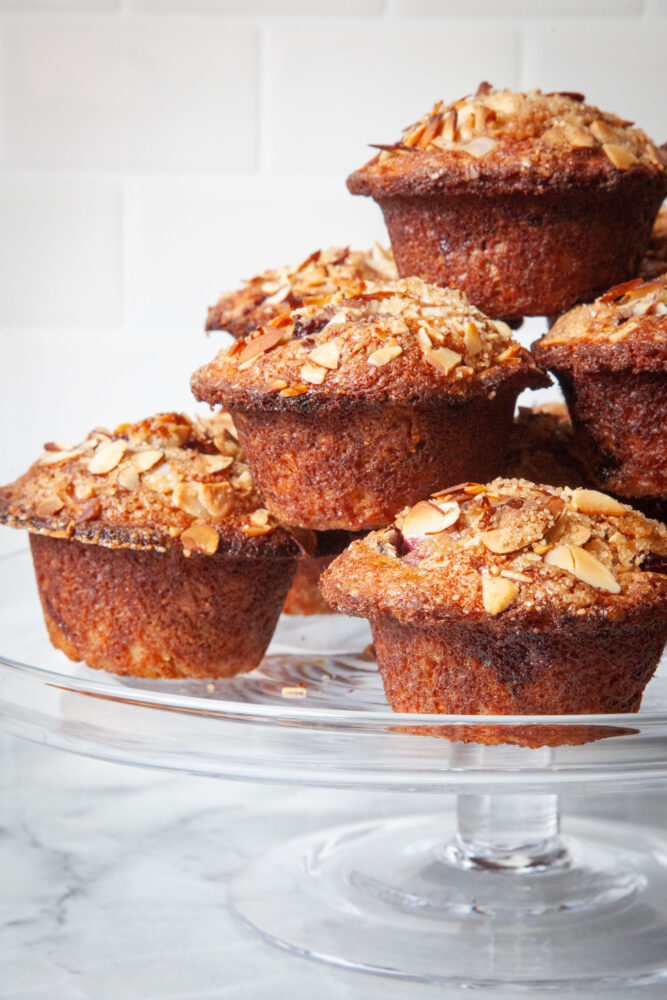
129,93
154,152
60,251
344,89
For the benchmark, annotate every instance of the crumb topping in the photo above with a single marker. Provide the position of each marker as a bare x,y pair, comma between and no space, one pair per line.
372,338
145,485
507,548
277,291
628,319
479,124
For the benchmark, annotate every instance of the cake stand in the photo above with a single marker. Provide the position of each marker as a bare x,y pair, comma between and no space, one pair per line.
488,897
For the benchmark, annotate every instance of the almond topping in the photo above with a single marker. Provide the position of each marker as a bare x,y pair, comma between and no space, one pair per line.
443,359
312,373
603,132
107,457
216,463
498,593
277,385
265,341
619,155
580,138
145,460
200,538
52,457
327,355
129,478
83,491
423,339
479,146
186,496
426,518
216,498
584,566
384,355
472,339
594,502
260,516
294,390
49,506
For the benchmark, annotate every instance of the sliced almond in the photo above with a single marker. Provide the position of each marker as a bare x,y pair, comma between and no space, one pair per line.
53,457
327,355
216,463
142,461
580,138
294,390
472,339
312,373
443,359
594,502
423,339
186,497
603,132
277,384
49,506
200,538
426,518
216,498
128,478
266,340
568,530
479,146
584,566
621,157
107,457
384,355
260,516
498,593
83,491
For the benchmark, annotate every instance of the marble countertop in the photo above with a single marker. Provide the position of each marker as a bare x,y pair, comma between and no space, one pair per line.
113,881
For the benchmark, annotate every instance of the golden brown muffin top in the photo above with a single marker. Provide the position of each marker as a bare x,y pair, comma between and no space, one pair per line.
392,340
522,141
542,447
162,481
277,291
655,258
509,551
626,328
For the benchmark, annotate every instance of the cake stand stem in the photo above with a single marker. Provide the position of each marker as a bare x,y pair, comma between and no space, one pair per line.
519,833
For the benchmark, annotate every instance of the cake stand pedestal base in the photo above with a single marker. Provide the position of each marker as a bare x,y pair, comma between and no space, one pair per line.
501,900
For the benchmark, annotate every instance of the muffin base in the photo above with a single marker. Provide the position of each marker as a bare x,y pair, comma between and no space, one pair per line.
355,468
619,420
305,596
458,669
159,614
521,255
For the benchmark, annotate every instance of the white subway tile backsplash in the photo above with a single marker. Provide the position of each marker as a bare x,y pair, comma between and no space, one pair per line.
618,65
335,87
60,251
59,388
265,7
30,6
188,241
526,8
129,93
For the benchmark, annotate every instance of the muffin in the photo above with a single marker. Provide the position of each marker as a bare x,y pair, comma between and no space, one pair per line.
511,598
610,358
542,447
530,203
275,292
305,596
153,553
655,258
353,406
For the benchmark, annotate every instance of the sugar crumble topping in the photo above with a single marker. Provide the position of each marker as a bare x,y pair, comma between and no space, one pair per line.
616,315
479,125
181,477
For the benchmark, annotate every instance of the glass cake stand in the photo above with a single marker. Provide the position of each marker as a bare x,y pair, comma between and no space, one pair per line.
488,897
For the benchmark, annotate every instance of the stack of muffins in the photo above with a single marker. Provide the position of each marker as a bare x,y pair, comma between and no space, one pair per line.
365,423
